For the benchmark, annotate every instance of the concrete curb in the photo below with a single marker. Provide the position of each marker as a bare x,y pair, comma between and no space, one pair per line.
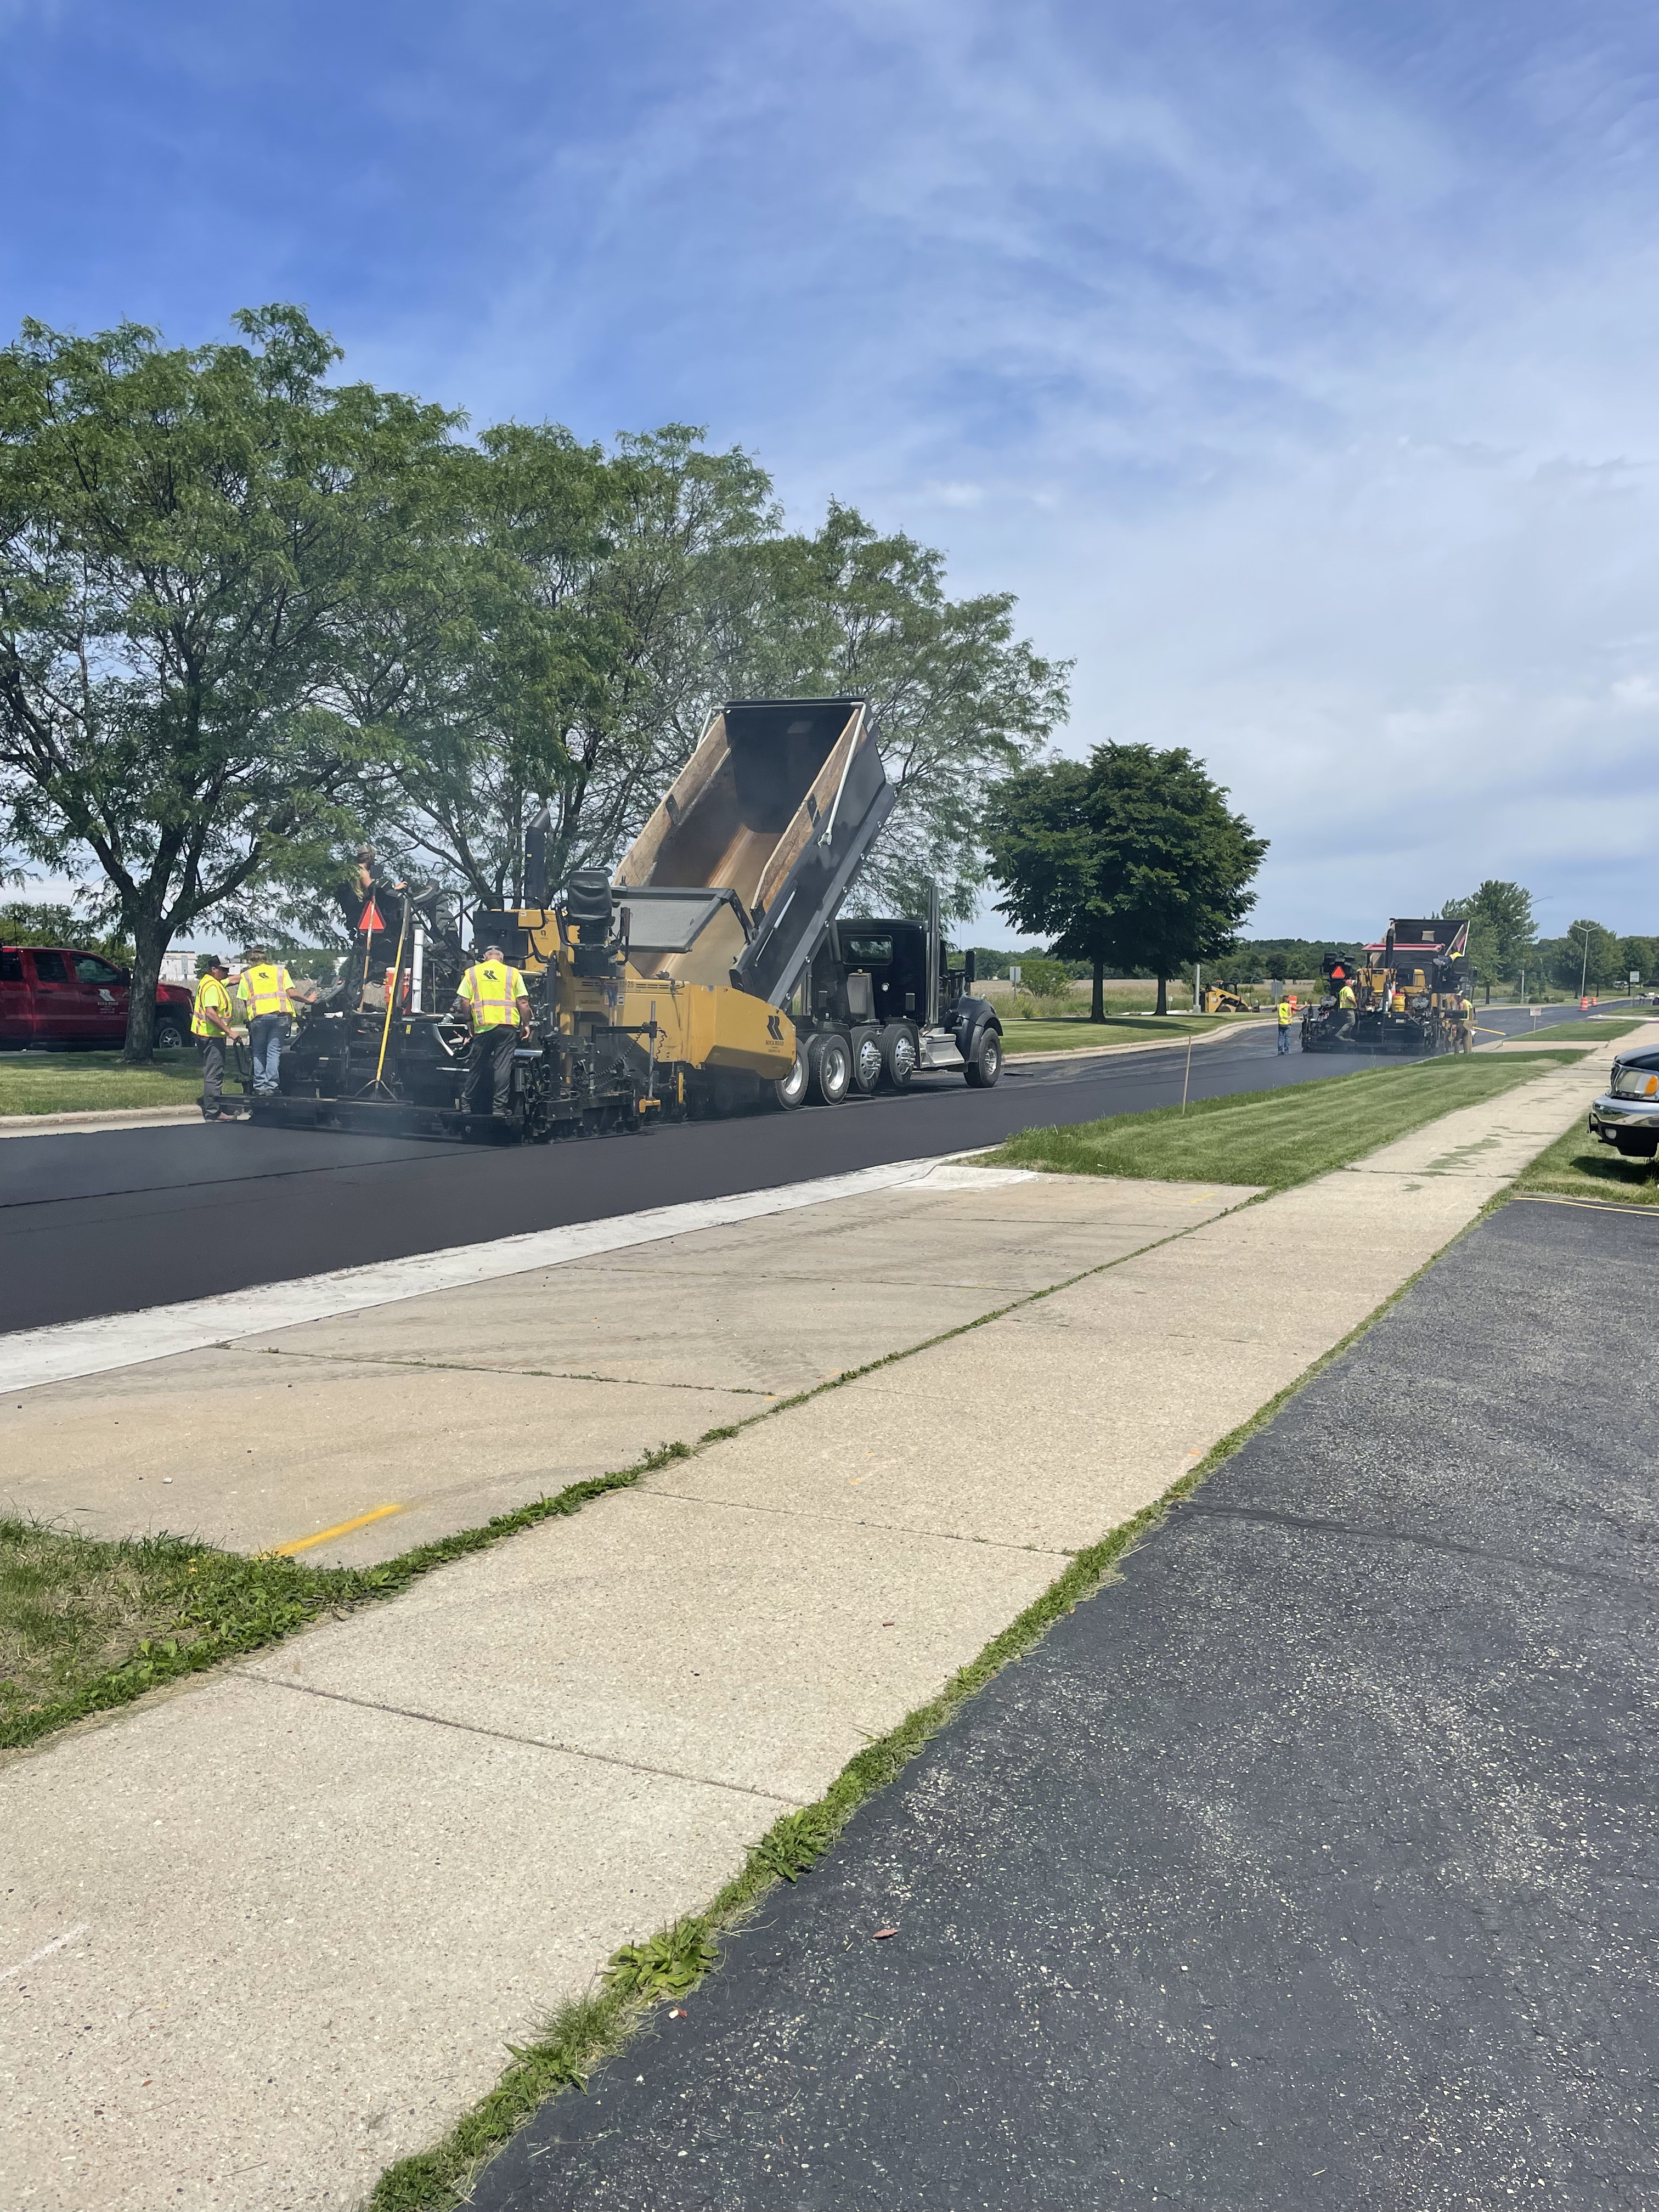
114,1117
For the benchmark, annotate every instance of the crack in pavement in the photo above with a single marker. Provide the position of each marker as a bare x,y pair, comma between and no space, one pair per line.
509,1735
1331,1527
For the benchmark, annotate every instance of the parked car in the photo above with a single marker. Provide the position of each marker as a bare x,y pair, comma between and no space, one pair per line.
54,995
1627,1112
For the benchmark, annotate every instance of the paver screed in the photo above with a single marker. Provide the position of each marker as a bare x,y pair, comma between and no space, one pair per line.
306,1903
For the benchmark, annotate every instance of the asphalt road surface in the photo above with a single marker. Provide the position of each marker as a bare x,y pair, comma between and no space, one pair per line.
1314,1862
111,1222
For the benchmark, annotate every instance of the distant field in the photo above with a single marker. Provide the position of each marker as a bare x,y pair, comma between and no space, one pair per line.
87,1082
1274,1138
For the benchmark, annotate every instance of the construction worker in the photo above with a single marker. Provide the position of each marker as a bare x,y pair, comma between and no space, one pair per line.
1285,1024
1346,1005
211,1018
1463,1023
267,992
498,1005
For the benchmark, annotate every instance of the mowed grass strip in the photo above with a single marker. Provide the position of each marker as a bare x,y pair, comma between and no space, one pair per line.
94,1082
1274,1138
1595,1032
1076,1032
1580,1166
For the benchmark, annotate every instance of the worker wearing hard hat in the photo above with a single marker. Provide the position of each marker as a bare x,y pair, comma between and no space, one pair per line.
211,1018
1283,1025
497,1005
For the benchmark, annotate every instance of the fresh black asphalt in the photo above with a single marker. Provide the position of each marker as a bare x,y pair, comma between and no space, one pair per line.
1311,1863
107,1223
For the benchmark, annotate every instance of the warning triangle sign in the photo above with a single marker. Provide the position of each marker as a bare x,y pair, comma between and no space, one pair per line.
371,919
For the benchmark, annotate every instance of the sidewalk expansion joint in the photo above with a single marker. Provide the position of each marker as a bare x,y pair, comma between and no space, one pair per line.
1316,1525
510,1735
843,1521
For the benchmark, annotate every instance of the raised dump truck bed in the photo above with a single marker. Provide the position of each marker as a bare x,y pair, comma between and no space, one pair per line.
776,808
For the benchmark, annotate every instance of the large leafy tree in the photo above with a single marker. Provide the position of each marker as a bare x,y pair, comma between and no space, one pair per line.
569,660
187,540
1589,954
1129,860
1501,929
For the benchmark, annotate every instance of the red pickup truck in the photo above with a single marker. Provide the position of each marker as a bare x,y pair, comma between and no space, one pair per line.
61,997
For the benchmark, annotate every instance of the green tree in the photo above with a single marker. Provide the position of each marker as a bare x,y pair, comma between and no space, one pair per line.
188,538
23,922
1502,928
1588,954
1131,859
956,700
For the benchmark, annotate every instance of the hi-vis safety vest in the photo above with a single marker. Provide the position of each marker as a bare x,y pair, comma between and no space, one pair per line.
266,990
211,997
1345,997
492,990
1284,1013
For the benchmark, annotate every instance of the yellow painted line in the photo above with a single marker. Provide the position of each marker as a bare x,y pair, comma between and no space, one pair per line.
340,1528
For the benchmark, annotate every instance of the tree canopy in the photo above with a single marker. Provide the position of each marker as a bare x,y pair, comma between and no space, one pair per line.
1131,860
248,614
186,539
1501,929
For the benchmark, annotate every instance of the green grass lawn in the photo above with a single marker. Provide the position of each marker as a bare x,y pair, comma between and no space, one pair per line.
1579,1166
1274,1138
1597,1032
91,1082
1074,1032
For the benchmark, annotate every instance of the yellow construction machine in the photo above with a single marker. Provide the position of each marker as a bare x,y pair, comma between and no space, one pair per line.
710,972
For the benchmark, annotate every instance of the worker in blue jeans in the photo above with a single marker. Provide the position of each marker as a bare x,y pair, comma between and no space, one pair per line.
1283,1025
267,993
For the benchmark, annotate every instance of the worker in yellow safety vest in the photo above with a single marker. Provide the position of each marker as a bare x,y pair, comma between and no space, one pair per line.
1283,1025
1463,1023
211,1017
1345,1004
498,1005
267,992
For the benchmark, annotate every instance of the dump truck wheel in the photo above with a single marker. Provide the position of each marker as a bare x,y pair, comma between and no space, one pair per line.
831,1061
983,1069
866,1062
899,1055
790,1091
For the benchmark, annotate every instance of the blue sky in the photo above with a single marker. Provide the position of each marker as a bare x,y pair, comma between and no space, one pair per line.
1295,363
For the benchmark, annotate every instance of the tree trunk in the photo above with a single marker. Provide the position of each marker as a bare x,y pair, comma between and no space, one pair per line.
149,942
1097,1002
1163,995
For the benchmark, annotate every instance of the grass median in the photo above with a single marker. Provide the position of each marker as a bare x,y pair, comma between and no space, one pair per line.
1274,1138
95,1082
1077,1033
1587,1032
1580,1166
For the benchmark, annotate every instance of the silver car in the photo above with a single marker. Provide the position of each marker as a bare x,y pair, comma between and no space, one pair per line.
1627,1112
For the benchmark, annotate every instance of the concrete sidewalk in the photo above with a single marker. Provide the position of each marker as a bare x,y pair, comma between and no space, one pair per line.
324,1890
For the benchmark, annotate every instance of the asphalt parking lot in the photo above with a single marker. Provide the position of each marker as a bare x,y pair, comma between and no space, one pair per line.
1313,1862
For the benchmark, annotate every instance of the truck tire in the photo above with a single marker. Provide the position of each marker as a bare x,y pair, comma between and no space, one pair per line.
830,1059
790,1091
983,1069
867,1062
899,1055
168,1035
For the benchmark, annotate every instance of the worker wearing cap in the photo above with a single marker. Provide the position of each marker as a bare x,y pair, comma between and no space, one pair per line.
498,1005
1463,1023
267,992
1345,1004
1283,1025
212,1017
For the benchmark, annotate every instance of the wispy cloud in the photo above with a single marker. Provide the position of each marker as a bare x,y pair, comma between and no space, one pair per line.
1294,365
